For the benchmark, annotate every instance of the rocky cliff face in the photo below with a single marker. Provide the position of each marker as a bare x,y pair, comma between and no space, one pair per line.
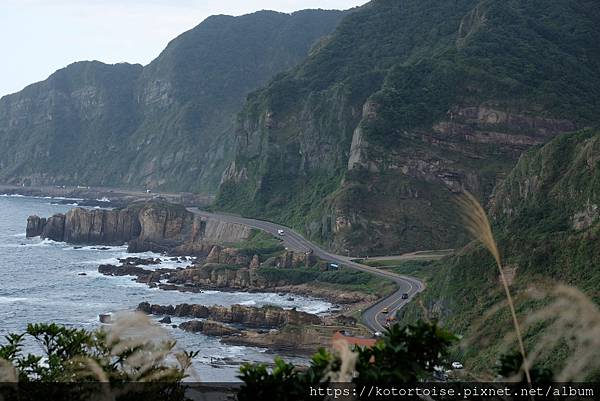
217,277
364,144
547,225
208,328
156,226
561,180
158,126
216,274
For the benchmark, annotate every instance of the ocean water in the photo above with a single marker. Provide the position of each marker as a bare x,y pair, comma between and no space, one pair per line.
40,282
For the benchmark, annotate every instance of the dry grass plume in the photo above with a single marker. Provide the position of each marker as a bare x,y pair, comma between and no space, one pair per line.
477,224
573,319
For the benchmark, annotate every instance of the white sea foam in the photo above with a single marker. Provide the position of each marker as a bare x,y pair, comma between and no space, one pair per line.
316,308
10,300
102,248
39,197
63,198
44,243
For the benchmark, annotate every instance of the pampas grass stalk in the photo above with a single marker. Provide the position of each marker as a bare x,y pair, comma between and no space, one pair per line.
573,318
347,368
477,224
8,373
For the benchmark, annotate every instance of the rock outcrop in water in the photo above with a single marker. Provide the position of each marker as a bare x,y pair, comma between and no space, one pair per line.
247,316
208,328
151,226
82,226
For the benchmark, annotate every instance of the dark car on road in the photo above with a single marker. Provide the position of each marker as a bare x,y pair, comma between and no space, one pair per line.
405,295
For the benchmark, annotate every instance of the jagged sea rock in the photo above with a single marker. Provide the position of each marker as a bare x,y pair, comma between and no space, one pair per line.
152,226
248,316
35,226
208,328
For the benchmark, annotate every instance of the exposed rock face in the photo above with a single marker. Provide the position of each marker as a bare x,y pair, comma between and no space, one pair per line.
181,310
52,227
82,226
208,327
548,223
290,260
35,226
227,256
295,340
104,227
247,316
372,164
214,276
151,226
546,179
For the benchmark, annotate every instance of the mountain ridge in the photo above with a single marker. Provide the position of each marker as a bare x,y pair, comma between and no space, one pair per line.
363,144
175,112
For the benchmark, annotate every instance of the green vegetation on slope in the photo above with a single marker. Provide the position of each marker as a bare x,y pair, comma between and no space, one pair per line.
451,94
344,279
272,254
422,269
547,227
260,243
166,125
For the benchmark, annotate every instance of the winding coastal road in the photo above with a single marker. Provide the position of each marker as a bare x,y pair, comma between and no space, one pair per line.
374,316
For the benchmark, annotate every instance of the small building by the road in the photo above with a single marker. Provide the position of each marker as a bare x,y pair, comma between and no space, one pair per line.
342,338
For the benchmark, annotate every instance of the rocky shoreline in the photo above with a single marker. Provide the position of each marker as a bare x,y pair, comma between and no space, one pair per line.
265,317
104,196
283,330
173,230
212,264
182,279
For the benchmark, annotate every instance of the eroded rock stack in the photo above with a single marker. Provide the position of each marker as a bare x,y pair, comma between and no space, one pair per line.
152,226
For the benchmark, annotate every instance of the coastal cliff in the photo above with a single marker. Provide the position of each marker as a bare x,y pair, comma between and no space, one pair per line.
363,146
81,226
163,125
547,225
150,226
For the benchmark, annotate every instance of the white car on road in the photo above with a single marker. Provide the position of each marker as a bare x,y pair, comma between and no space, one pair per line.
280,232
457,365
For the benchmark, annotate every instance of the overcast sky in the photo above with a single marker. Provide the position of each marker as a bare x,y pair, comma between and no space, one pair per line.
40,36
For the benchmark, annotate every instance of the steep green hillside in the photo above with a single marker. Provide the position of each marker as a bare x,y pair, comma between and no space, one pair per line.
55,128
166,125
363,145
547,223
